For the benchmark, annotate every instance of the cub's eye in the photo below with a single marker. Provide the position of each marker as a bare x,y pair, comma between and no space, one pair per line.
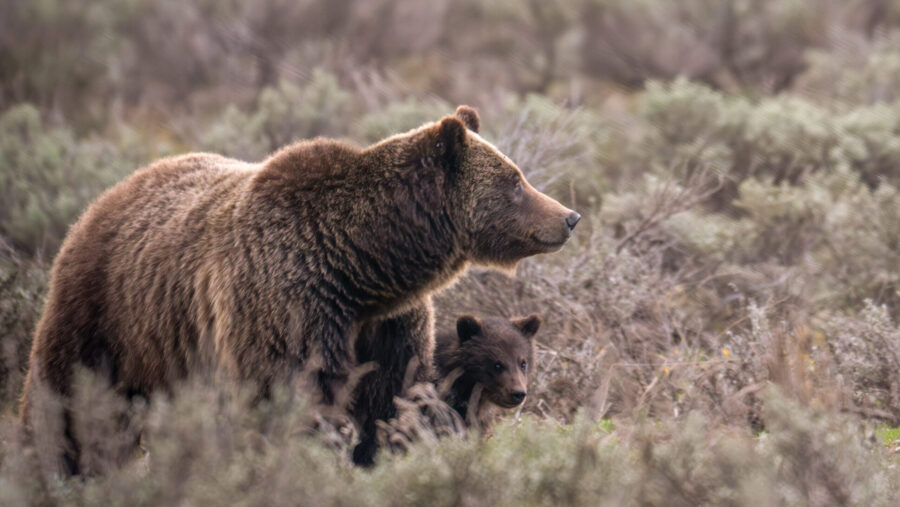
518,187
523,365
498,367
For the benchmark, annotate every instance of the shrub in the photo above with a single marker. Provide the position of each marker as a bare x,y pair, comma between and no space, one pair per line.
869,142
862,237
778,139
865,350
555,146
282,115
854,70
399,117
58,78
207,445
741,43
22,288
823,459
48,178
827,242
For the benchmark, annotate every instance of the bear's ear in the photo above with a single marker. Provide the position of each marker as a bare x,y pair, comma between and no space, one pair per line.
441,145
528,325
469,117
450,141
467,326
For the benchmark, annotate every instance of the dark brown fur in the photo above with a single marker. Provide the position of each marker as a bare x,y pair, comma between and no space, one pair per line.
204,263
494,353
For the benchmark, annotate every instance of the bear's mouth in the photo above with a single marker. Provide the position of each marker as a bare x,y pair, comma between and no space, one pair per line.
549,246
503,401
508,404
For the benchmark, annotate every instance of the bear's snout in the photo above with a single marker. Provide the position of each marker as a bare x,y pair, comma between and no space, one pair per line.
556,221
517,396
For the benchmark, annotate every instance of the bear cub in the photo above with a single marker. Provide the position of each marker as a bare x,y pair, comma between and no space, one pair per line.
494,353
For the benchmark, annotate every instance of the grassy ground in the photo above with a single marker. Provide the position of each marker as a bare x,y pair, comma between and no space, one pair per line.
208,447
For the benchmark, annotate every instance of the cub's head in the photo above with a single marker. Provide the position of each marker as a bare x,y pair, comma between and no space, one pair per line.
499,216
498,354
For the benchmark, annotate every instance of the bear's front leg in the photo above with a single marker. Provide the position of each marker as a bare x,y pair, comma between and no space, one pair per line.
391,343
334,351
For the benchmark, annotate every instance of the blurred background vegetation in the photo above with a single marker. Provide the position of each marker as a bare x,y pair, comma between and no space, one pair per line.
725,328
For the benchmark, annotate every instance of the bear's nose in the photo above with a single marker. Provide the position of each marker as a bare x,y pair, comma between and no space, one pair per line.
572,220
518,396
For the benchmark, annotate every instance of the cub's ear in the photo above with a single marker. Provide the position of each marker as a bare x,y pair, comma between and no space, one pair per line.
469,117
528,325
467,326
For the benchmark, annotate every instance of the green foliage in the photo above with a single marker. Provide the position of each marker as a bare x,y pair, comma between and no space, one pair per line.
22,290
399,117
823,459
284,114
607,425
859,71
889,435
211,446
782,137
836,234
48,178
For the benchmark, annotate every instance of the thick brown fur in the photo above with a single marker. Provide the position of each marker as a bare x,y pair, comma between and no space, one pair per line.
205,263
489,362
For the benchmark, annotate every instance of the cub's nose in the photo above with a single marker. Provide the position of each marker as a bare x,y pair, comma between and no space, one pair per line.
572,220
518,396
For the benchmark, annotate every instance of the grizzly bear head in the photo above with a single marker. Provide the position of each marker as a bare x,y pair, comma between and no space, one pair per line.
497,354
499,216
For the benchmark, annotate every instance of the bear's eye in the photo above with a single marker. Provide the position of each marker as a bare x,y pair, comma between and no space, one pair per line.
518,187
523,365
498,366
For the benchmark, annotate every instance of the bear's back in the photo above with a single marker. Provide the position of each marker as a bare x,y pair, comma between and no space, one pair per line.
135,253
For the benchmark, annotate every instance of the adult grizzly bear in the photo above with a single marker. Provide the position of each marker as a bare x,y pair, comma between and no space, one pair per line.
202,261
